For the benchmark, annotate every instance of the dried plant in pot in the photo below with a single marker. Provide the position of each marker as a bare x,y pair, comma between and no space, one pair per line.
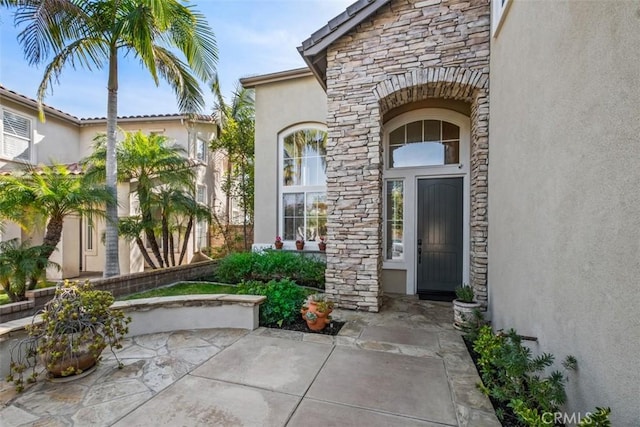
73,329
316,311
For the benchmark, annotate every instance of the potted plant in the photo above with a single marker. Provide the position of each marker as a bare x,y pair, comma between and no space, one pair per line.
316,311
278,243
463,307
322,244
74,328
300,244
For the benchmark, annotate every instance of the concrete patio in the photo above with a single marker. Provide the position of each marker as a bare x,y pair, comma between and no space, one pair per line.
404,366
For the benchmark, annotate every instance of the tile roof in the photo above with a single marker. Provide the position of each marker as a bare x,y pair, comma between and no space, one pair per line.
30,102
73,168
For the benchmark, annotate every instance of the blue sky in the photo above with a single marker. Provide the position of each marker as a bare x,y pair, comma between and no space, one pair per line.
253,37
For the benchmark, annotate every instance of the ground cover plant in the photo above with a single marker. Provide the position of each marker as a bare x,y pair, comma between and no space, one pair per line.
271,265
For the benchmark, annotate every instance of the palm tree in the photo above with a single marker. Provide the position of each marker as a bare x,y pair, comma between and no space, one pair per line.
97,33
21,265
236,138
46,195
158,170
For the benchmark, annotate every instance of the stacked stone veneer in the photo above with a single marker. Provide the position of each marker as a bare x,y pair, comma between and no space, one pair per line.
408,51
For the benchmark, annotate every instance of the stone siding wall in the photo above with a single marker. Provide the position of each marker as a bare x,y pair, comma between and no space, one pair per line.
408,51
121,285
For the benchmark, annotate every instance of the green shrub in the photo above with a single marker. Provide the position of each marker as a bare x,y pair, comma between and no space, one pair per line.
513,377
234,267
271,265
464,293
284,299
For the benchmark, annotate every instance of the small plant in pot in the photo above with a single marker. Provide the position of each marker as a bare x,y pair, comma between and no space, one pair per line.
322,244
300,244
316,311
463,307
278,243
73,329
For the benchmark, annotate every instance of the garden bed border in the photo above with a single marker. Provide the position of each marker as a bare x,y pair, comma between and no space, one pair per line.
126,284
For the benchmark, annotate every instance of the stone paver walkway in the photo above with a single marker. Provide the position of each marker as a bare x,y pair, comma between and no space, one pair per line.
404,366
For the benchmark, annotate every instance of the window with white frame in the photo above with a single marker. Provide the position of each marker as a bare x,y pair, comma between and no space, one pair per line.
16,136
498,13
201,149
394,219
201,194
201,235
89,234
303,184
424,143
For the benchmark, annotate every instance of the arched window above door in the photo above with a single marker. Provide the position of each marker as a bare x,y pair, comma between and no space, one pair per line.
424,143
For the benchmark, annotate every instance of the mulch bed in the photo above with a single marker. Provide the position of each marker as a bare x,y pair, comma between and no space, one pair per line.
300,325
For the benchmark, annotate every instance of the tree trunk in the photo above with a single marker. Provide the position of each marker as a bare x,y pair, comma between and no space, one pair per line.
165,238
185,244
172,252
112,264
52,235
144,253
151,239
143,197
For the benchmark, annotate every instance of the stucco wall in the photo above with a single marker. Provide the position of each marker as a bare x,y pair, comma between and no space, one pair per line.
279,106
564,252
53,140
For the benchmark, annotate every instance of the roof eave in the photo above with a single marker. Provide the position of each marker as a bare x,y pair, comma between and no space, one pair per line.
251,82
312,49
33,104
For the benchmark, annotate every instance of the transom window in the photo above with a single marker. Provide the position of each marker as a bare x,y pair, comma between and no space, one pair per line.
303,185
16,136
424,143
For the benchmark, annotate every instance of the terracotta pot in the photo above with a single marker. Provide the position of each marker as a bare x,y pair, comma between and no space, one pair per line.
322,317
81,359
322,246
299,245
278,245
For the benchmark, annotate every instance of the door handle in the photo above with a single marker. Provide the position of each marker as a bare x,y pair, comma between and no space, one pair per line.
419,255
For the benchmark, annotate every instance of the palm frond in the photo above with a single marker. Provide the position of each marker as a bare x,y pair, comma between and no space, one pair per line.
183,83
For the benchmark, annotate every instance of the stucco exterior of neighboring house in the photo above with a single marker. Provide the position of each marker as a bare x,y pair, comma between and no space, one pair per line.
386,152
66,139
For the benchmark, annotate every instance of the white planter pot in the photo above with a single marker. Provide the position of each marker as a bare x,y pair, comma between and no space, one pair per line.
463,313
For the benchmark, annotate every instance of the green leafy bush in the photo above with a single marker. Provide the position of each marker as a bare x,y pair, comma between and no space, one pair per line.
234,268
284,299
514,377
271,265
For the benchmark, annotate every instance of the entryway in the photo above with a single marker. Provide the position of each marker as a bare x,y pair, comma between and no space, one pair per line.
439,237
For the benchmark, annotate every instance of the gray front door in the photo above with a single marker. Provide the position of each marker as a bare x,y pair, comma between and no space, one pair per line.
439,237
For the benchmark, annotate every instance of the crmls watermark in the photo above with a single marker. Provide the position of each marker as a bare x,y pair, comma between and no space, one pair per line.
553,418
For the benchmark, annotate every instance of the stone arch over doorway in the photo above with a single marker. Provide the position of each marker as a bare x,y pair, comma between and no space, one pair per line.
470,86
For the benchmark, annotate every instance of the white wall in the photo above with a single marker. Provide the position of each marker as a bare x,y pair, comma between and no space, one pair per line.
564,205
54,140
279,106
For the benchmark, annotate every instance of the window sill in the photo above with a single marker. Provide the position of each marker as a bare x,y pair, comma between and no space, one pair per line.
394,265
